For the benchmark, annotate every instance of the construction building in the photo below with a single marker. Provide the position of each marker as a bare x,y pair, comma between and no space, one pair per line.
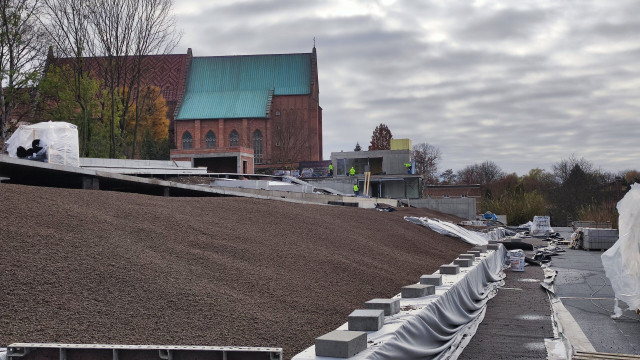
389,176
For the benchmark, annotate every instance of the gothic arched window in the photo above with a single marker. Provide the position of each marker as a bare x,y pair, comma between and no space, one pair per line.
187,140
210,140
234,138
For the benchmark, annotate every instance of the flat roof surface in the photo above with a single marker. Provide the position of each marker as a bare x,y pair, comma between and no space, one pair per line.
586,292
518,319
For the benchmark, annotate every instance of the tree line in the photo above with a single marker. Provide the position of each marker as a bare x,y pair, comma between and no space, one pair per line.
574,189
83,61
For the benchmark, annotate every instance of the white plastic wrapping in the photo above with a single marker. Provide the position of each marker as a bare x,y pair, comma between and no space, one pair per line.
60,139
447,228
622,261
541,225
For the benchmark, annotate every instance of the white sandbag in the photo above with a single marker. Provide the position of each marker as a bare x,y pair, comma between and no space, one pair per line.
622,261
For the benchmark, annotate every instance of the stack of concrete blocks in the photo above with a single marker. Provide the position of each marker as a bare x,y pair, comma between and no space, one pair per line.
346,343
435,279
449,269
598,239
366,320
389,306
475,253
481,248
341,344
417,291
493,246
463,262
472,257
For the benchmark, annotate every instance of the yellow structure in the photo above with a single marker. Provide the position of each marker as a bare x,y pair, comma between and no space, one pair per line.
400,144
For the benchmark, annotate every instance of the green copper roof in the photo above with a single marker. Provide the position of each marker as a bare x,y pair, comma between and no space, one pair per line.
224,87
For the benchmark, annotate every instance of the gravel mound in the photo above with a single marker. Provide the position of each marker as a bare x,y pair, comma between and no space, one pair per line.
81,266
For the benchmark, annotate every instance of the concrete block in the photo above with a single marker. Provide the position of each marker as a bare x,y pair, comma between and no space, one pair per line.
468,256
435,279
341,344
475,253
390,306
366,320
417,290
449,269
493,246
481,248
463,262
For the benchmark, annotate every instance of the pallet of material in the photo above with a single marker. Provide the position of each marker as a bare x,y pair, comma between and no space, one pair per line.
598,239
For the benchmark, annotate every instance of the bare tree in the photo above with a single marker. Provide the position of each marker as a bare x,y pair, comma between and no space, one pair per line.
484,173
126,32
68,30
562,169
21,58
427,157
155,34
289,137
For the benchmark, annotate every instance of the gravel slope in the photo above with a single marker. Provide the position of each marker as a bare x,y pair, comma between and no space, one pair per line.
83,266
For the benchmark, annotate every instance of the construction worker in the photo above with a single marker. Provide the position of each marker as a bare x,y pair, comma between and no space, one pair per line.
330,169
408,166
356,189
352,172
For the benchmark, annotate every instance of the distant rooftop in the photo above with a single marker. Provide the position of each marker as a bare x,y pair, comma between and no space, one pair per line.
222,87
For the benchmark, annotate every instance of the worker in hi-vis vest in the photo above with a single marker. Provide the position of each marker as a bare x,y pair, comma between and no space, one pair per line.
408,166
330,169
356,189
352,172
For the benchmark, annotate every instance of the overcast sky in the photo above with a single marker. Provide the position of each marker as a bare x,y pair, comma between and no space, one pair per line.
523,83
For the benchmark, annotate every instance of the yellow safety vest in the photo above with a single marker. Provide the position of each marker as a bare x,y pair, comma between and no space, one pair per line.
352,171
355,188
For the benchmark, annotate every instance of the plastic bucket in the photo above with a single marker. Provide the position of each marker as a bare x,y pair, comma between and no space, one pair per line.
516,260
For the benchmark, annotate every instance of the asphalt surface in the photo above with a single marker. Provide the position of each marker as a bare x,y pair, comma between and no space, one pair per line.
516,322
586,292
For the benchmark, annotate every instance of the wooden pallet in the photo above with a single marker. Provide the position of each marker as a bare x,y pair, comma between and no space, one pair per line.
584,355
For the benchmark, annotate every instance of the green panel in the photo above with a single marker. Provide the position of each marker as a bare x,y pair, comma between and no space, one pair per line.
238,86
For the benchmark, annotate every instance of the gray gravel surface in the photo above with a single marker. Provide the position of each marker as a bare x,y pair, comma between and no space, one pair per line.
81,266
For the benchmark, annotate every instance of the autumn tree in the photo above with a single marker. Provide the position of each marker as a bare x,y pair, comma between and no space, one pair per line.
381,138
21,58
426,158
289,138
148,116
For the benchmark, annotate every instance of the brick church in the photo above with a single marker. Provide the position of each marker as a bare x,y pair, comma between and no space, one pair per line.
239,113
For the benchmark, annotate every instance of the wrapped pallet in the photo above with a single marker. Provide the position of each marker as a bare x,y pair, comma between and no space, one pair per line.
60,140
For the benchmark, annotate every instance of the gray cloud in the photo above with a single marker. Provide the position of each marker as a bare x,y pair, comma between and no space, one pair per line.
521,83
